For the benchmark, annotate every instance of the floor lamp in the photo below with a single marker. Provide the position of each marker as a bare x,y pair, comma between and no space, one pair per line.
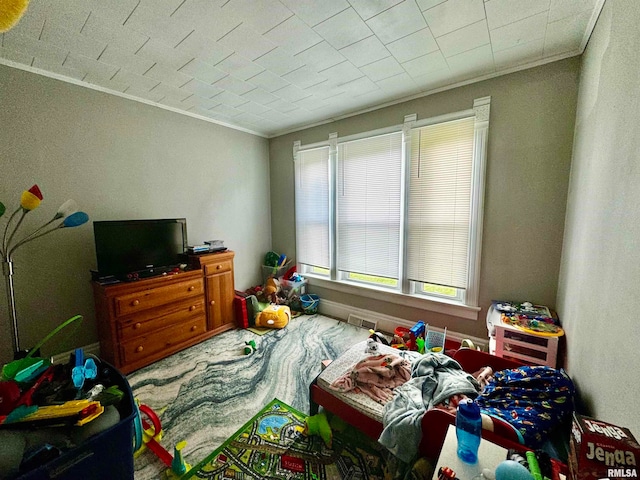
67,216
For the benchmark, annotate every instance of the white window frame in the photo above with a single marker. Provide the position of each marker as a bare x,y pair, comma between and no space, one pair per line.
406,294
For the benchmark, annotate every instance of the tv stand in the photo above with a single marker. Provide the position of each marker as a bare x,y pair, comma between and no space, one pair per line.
146,320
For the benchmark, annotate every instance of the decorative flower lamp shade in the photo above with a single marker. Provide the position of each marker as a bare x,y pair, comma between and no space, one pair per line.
67,216
10,13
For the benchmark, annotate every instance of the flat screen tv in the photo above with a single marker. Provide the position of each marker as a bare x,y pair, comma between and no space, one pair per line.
145,246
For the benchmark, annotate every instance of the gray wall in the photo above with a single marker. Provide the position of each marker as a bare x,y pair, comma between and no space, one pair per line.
600,270
530,140
118,159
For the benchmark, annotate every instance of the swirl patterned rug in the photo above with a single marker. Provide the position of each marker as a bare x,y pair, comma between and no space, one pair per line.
206,393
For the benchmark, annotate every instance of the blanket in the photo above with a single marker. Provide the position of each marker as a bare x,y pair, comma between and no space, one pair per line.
376,376
435,377
534,400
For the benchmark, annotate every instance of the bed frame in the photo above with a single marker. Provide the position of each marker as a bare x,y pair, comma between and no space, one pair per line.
435,422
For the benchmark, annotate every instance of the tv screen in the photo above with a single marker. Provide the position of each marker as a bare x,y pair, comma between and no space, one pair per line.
125,246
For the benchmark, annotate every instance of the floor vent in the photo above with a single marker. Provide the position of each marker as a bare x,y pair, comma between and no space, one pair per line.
359,321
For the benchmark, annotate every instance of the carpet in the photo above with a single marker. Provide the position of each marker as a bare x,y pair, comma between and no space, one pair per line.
272,445
207,392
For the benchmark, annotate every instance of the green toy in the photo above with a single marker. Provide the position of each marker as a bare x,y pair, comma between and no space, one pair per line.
319,425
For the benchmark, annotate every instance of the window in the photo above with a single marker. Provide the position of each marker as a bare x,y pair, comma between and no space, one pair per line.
398,210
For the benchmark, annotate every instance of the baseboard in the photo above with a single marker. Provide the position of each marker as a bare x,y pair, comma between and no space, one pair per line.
93,349
388,323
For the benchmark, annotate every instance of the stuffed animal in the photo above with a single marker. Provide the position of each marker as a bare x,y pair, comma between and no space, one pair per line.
319,425
271,289
372,347
274,316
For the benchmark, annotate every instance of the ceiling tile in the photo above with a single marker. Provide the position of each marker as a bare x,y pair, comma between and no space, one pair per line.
294,35
197,101
260,96
262,15
112,11
305,77
229,98
167,75
283,106
93,67
310,103
253,107
267,80
291,93
359,86
425,64
279,61
71,41
124,39
313,12
201,89
413,45
161,52
206,17
152,96
566,35
426,4
365,51
561,9
520,32
226,110
521,54
464,39
43,51
342,73
152,18
477,61
203,71
452,15
245,41
32,22
370,8
59,68
321,56
166,89
200,44
401,84
239,67
503,12
233,84
343,29
385,68
397,22
131,62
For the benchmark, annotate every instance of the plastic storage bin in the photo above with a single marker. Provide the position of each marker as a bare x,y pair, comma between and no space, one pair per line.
310,303
294,288
107,455
268,271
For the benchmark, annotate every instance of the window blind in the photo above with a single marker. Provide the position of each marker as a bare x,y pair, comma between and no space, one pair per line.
440,203
312,207
368,201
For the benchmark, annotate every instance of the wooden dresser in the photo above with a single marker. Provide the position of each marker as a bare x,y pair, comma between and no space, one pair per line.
143,321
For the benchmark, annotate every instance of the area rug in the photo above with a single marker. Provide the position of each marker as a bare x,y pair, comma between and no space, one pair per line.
272,445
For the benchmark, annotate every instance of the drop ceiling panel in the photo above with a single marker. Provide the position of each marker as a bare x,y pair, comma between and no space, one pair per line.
271,66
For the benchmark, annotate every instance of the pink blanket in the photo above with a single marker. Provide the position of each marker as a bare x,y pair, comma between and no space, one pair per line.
375,376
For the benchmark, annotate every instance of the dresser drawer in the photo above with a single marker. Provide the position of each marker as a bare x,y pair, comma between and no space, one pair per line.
218,267
154,297
163,340
151,321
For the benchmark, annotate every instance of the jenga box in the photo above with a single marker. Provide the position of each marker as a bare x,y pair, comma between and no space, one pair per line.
601,451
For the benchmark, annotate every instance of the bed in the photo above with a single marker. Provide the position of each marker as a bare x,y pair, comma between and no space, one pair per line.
366,415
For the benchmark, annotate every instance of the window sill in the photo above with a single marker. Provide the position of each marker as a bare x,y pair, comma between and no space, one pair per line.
443,306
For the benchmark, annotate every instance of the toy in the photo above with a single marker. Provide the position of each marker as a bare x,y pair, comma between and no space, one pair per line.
319,425
372,347
434,341
271,289
415,332
250,347
274,316
378,337
151,434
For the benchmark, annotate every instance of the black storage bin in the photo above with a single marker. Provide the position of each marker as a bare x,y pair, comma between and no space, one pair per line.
107,455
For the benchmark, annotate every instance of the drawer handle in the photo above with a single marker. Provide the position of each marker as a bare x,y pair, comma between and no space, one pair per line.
193,329
137,326
212,302
135,303
218,267
192,308
192,288
140,348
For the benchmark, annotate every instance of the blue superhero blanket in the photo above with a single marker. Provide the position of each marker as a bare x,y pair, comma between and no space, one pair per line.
534,400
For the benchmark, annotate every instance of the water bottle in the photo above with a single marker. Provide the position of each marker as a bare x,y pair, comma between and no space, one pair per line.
468,430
